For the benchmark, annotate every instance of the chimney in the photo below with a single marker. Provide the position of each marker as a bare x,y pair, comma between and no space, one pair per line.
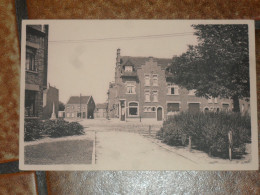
118,57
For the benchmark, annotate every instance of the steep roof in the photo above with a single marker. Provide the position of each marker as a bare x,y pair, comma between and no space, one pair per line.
101,106
77,99
139,61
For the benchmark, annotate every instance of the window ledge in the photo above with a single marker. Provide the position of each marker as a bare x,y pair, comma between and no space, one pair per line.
31,71
173,94
31,117
130,93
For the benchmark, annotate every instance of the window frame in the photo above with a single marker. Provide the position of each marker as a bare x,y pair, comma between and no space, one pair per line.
137,107
30,62
157,79
170,86
131,84
147,80
147,92
155,92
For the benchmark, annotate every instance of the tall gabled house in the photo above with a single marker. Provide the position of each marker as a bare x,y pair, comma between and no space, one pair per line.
143,88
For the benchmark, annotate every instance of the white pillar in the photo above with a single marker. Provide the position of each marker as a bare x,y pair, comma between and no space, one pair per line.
53,115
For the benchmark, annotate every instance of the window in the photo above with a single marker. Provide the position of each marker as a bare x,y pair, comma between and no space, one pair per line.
192,92
215,100
225,107
147,80
147,96
30,60
155,96
173,89
133,109
206,109
149,109
173,107
155,80
194,107
68,115
72,115
30,103
128,68
130,87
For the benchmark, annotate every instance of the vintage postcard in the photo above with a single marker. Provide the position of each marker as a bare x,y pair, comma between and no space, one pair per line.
138,95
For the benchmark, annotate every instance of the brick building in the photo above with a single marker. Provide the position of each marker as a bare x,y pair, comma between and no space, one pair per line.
80,107
143,89
101,111
50,97
36,66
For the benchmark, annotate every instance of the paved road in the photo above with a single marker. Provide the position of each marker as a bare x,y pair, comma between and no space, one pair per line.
124,150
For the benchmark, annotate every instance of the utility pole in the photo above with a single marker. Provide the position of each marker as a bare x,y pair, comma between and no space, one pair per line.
80,105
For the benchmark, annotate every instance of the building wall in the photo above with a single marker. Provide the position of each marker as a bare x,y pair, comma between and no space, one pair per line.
100,113
36,80
74,109
51,95
184,98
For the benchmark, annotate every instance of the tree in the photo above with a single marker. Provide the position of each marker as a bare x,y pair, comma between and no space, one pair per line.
61,106
218,66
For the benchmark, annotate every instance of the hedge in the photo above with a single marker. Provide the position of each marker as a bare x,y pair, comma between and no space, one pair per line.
37,129
209,131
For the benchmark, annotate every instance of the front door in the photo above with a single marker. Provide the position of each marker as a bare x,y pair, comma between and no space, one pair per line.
159,114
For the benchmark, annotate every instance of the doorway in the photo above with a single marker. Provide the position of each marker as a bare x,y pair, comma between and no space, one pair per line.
159,114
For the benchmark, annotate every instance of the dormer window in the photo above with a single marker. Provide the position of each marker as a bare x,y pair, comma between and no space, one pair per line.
128,68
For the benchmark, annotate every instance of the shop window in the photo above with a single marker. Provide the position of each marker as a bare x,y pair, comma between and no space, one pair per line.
133,109
173,107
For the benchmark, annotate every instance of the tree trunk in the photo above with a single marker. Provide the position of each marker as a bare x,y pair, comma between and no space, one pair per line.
236,104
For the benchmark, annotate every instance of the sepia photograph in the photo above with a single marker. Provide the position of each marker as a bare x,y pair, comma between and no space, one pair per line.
138,95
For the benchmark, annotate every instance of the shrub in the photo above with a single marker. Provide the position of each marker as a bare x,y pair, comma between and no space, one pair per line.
37,129
32,129
209,131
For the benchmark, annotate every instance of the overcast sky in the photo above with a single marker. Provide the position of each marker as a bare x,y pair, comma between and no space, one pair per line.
87,65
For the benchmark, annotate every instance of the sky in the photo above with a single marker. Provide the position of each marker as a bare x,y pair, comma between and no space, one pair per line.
82,53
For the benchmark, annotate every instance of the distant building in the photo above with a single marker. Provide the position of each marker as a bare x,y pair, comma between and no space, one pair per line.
101,111
143,88
36,66
50,97
80,107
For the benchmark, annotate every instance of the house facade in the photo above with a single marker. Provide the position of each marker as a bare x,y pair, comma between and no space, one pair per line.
50,97
101,111
143,88
80,107
36,66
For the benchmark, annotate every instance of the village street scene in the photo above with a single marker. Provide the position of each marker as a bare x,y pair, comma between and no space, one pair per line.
131,99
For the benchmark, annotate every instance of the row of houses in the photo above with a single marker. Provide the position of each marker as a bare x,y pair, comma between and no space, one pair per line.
143,88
